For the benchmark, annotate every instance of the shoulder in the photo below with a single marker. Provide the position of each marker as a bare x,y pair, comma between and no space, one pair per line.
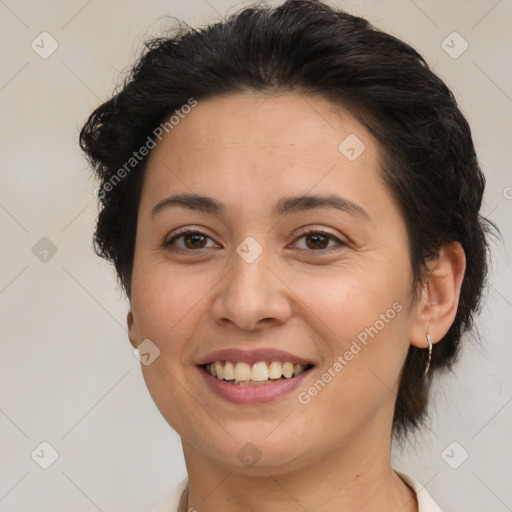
171,501
425,501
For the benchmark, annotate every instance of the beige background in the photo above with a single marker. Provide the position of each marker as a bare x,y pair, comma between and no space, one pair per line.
68,374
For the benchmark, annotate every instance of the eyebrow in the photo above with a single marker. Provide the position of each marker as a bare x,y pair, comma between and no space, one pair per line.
285,205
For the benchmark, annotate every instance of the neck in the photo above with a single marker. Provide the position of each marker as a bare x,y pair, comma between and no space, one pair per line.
358,476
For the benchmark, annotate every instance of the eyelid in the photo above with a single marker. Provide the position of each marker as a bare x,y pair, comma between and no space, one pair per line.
184,231
304,232
312,230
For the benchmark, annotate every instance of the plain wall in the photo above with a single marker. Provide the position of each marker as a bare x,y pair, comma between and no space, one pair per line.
68,373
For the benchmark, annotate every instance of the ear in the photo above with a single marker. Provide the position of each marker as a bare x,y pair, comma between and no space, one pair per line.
439,299
132,331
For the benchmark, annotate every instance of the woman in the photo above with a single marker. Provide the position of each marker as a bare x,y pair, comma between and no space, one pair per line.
291,201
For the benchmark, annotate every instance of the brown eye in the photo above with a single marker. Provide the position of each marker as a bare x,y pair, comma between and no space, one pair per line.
188,240
317,241
194,240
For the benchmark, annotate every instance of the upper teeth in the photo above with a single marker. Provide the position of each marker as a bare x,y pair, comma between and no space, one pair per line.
259,371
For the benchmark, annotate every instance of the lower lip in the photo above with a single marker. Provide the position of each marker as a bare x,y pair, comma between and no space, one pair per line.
252,394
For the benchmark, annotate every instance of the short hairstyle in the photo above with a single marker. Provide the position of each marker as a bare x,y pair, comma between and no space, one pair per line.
428,162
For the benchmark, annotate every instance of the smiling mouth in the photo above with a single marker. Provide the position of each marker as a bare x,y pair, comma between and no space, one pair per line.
256,374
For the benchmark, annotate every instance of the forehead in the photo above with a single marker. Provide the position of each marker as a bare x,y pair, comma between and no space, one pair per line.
289,120
253,145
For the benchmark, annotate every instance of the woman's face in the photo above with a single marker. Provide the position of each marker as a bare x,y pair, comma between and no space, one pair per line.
251,288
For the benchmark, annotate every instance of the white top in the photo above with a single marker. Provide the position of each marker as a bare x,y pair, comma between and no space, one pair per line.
425,502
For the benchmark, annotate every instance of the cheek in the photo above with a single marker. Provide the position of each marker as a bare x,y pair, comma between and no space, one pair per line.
165,304
167,307
361,314
349,300
171,306
364,335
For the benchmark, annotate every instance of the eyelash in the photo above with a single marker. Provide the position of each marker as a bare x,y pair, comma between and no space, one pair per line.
186,231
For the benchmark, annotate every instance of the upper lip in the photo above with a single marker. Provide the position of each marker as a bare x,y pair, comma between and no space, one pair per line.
252,356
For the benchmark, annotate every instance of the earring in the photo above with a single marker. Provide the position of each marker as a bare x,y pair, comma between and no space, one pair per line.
429,354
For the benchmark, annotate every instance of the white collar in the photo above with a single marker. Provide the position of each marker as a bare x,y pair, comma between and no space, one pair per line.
425,501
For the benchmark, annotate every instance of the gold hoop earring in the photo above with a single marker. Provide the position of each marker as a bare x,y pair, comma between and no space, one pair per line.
429,354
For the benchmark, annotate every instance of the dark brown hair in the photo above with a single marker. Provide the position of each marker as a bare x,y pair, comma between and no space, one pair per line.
429,162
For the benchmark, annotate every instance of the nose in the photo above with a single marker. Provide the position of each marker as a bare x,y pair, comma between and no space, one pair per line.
252,296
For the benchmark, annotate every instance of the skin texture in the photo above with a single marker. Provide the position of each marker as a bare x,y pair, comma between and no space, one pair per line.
247,151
